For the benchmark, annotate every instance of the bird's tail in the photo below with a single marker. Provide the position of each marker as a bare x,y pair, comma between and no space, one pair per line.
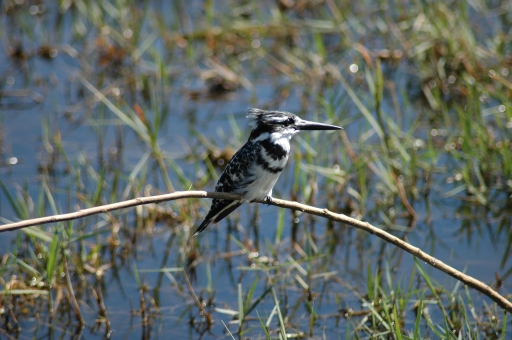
203,225
217,213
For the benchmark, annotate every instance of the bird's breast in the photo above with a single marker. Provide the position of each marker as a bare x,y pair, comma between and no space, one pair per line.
270,159
263,182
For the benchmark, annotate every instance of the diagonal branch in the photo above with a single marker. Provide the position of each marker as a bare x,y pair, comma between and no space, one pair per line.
466,279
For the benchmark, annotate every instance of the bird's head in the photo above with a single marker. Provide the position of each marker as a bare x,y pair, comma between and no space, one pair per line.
282,122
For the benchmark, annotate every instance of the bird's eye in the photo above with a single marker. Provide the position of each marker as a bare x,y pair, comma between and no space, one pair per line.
289,121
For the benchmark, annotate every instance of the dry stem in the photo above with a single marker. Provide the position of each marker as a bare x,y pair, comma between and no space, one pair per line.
466,279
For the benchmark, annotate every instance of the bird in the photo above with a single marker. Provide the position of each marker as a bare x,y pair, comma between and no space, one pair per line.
254,169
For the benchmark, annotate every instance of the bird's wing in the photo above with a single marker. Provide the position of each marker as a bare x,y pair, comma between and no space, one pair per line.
219,210
226,211
237,175
235,178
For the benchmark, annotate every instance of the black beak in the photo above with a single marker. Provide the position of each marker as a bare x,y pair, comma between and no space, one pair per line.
307,125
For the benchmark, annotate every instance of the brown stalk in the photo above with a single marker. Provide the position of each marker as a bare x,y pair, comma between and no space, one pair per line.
415,251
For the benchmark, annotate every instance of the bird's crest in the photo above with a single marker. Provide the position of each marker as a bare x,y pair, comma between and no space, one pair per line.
254,115
259,116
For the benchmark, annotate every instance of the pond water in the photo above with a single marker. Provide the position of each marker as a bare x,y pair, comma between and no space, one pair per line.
60,139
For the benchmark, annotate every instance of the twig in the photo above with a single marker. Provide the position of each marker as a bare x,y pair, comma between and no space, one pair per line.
207,315
116,206
72,293
466,279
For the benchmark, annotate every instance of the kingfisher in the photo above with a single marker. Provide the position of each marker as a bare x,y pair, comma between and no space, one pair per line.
254,169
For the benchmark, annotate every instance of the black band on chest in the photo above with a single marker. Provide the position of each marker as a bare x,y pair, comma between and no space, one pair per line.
266,165
275,151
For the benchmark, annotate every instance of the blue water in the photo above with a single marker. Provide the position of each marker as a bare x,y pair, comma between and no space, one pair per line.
24,137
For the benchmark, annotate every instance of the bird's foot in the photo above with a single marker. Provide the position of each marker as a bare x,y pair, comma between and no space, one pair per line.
268,200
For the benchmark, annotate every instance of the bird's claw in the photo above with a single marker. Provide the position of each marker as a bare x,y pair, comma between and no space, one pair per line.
268,200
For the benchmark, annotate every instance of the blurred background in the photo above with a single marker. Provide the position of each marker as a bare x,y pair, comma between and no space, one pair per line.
104,101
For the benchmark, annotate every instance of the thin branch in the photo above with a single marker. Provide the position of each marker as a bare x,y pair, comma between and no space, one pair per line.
196,299
72,293
466,279
116,206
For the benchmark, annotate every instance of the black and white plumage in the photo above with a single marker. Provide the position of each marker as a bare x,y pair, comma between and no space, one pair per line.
255,168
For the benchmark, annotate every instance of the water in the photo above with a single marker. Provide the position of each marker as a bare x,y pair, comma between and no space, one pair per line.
95,139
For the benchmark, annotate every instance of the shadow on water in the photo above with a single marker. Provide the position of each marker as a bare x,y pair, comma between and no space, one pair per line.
101,103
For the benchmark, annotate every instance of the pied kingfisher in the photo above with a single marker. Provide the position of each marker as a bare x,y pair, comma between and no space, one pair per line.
255,168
